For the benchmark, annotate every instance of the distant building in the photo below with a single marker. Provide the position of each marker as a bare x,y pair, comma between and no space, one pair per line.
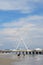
38,49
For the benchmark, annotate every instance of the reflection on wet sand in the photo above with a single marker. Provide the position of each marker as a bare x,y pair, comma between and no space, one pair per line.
11,59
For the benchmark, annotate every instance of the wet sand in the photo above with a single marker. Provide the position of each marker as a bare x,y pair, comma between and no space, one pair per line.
6,59
11,59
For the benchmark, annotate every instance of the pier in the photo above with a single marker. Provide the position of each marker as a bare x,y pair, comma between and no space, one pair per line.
23,52
19,51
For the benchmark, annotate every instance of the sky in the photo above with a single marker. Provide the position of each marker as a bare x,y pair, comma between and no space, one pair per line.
21,22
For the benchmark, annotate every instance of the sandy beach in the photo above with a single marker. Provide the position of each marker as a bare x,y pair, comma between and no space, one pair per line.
11,59
7,59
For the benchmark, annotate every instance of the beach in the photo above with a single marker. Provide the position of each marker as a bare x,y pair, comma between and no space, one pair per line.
6,59
11,59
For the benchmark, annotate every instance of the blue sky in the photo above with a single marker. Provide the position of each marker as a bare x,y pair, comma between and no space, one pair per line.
21,19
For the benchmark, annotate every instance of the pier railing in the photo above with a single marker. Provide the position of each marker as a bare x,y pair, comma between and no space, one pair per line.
23,51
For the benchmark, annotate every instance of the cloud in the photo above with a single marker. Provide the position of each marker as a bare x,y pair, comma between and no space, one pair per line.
22,5
27,28
31,23
1,44
35,19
